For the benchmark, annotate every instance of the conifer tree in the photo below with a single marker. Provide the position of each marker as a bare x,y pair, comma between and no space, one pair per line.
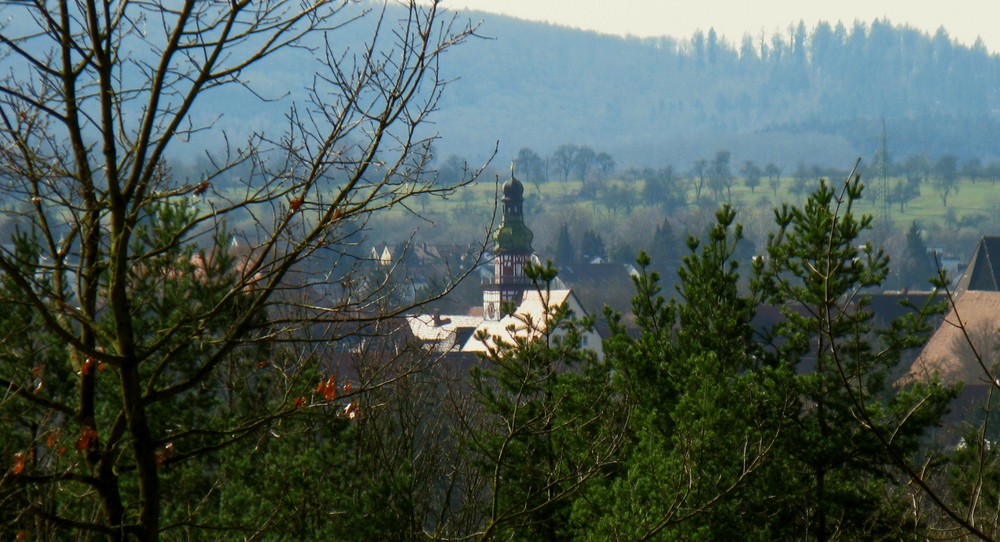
545,425
845,449
565,253
705,404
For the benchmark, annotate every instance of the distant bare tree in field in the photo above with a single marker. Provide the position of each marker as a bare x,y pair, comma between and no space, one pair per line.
946,177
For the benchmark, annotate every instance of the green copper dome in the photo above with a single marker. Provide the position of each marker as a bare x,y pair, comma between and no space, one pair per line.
513,236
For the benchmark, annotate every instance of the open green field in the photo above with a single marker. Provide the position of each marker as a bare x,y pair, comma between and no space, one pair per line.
972,201
617,209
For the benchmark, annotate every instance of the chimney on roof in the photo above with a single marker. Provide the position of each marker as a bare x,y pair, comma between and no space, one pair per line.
436,316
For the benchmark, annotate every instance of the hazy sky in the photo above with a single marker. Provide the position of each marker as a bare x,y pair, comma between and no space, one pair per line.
964,19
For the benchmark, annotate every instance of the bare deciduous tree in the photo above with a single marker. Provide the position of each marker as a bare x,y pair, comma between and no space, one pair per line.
125,301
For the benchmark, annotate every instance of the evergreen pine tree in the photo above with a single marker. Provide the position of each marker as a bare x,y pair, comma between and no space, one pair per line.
845,451
565,253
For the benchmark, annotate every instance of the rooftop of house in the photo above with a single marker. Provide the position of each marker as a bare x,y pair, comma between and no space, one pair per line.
460,332
528,320
964,347
983,272
437,327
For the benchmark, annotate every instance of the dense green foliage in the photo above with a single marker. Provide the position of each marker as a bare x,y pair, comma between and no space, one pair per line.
706,403
696,422
548,426
854,424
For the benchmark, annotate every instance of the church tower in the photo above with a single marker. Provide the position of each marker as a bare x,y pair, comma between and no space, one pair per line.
512,250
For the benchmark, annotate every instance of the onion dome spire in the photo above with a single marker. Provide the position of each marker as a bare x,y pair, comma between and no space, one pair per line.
513,236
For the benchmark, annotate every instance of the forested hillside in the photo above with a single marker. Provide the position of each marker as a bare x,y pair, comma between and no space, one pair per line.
817,93
814,94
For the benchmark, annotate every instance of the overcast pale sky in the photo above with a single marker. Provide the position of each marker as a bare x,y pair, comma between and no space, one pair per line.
965,20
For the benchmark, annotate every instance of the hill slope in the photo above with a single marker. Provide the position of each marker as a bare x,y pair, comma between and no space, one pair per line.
817,95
